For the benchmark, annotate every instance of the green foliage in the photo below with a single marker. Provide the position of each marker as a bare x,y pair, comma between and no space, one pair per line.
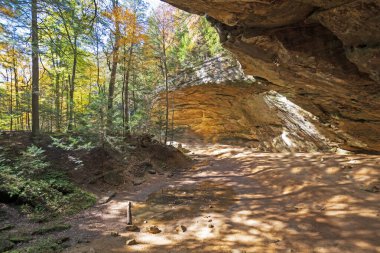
48,245
211,38
49,193
51,228
32,162
77,41
71,143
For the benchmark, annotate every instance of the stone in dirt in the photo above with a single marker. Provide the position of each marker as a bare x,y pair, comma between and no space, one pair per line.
131,242
137,181
107,198
181,228
152,172
372,189
210,225
170,174
132,228
115,234
153,230
346,167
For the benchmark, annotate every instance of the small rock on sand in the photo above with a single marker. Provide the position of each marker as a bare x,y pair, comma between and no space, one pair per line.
131,242
132,228
181,228
153,230
115,234
138,181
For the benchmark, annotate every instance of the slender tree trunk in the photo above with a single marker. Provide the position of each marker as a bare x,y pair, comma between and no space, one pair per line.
72,87
35,72
10,100
166,96
62,99
68,98
28,120
127,70
57,104
17,98
115,60
172,126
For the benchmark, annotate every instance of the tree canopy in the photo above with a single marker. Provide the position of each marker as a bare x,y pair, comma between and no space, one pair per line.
97,65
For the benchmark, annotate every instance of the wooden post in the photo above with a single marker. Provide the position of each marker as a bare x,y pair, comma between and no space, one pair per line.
129,213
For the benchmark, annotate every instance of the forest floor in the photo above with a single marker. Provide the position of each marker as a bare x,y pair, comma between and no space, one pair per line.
233,200
229,199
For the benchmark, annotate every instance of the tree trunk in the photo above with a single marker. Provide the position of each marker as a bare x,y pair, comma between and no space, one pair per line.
68,98
166,97
17,109
35,72
57,104
10,101
72,87
115,60
127,71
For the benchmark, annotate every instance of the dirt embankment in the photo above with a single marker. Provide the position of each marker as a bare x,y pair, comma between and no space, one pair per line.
82,174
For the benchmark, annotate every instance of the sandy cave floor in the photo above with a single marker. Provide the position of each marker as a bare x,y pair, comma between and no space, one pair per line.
233,200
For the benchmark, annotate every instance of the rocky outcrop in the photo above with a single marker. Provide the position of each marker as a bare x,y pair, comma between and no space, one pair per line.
216,102
322,55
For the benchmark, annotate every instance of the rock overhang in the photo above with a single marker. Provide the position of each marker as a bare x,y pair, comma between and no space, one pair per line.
322,55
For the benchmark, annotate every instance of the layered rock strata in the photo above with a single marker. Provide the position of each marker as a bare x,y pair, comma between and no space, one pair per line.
322,55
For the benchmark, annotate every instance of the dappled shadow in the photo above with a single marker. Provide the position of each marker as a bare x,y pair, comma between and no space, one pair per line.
257,202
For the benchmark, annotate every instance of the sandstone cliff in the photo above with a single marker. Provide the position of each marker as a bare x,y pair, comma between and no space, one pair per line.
216,102
322,55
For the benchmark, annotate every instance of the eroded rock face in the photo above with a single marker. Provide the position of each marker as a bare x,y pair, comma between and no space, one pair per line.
322,55
216,102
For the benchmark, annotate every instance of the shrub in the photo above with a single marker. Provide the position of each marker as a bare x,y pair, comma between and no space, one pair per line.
32,162
71,144
29,181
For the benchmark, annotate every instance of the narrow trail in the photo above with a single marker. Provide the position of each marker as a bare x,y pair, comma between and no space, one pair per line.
233,200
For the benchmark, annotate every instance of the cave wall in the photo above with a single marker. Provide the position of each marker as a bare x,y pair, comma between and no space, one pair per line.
217,102
322,55
238,115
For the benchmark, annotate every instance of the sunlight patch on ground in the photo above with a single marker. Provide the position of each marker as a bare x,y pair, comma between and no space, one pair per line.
268,202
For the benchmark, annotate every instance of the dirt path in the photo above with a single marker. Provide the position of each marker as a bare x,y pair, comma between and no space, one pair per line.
233,200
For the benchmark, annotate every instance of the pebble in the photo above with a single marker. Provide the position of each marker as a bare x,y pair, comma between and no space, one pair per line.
115,234
210,225
131,242
132,228
181,228
153,230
